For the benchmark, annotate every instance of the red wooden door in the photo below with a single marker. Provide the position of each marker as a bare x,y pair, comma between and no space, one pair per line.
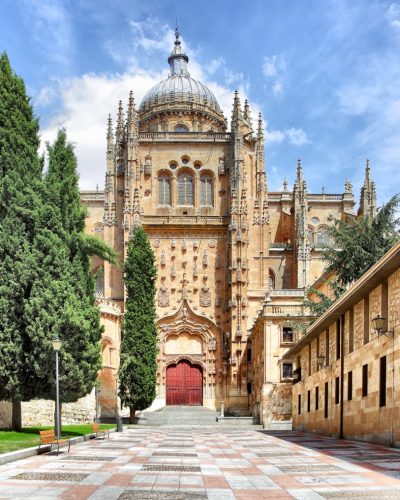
184,384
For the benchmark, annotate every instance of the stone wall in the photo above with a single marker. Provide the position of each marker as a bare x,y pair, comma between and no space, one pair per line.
41,412
365,417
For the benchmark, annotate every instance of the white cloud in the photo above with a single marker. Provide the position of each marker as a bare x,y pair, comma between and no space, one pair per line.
274,69
87,100
297,136
393,14
50,25
45,96
274,136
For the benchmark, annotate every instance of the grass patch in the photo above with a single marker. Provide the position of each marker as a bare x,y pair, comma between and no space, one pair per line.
11,441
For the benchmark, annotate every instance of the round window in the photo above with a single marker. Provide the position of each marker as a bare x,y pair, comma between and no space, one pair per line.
185,161
197,166
173,166
315,220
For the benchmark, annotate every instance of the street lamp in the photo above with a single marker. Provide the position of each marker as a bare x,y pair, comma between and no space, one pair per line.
57,344
378,324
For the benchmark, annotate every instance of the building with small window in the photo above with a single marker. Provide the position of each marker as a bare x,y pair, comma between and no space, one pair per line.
233,257
347,365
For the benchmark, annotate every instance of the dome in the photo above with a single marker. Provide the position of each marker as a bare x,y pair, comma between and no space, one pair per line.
180,89
179,92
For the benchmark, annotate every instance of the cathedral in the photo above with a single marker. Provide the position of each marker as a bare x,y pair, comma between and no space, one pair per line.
234,259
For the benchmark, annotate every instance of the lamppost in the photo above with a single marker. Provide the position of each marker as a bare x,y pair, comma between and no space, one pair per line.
57,344
378,324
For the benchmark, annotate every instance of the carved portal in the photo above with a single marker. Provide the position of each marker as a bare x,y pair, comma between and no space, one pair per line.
187,336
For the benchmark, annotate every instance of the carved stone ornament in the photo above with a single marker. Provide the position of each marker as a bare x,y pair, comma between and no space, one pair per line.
156,243
221,166
205,296
205,258
163,296
162,257
211,367
212,344
212,243
147,166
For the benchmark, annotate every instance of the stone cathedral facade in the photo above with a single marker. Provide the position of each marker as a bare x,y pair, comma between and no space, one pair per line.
233,258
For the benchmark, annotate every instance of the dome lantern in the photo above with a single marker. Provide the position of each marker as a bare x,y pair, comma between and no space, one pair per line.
179,93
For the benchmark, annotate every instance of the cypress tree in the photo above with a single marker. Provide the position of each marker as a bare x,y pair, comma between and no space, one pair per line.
138,363
62,303
20,188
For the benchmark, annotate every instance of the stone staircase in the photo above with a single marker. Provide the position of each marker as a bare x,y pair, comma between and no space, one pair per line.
190,416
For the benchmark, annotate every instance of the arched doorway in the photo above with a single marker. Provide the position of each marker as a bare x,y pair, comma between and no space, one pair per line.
184,384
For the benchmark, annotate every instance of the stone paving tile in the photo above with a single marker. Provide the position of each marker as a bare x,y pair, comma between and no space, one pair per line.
209,463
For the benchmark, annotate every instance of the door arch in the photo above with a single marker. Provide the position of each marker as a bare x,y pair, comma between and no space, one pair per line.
184,384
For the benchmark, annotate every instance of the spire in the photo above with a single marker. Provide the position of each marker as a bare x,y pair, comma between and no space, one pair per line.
299,170
178,59
236,112
368,194
367,176
131,107
120,122
260,128
247,112
109,131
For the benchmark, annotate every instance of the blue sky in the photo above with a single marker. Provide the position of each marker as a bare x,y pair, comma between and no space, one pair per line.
324,73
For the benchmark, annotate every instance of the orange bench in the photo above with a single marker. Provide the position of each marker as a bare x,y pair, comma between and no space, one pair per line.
96,431
48,438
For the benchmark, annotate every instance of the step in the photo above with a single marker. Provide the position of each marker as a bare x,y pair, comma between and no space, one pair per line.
238,420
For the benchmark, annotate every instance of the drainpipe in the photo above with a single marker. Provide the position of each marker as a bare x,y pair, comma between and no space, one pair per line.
341,409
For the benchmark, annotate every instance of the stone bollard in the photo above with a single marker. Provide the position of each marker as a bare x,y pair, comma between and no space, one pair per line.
222,410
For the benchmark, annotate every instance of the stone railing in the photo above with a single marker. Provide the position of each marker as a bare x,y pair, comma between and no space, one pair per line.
108,306
293,292
284,310
324,197
184,136
184,219
92,195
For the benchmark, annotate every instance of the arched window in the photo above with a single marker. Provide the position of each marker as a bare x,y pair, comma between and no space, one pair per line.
181,128
322,237
271,279
100,282
185,189
164,190
206,191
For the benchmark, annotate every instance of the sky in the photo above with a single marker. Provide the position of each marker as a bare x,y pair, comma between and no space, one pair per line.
325,74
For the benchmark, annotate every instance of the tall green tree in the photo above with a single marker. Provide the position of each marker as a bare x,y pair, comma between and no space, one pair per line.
20,188
357,243
138,363
62,302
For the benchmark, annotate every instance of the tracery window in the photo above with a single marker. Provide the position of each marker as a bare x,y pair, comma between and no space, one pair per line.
164,190
206,191
185,189
100,282
322,237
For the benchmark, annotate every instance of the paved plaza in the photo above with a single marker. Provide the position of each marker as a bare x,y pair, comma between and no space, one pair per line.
215,463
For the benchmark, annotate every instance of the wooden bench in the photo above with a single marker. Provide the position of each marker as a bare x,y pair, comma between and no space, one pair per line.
97,432
48,438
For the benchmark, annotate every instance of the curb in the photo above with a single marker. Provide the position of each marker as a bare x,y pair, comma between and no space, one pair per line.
12,456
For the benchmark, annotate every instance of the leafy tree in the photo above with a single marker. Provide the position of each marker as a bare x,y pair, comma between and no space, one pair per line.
360,242
138,365
20,188
62,302
357,244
